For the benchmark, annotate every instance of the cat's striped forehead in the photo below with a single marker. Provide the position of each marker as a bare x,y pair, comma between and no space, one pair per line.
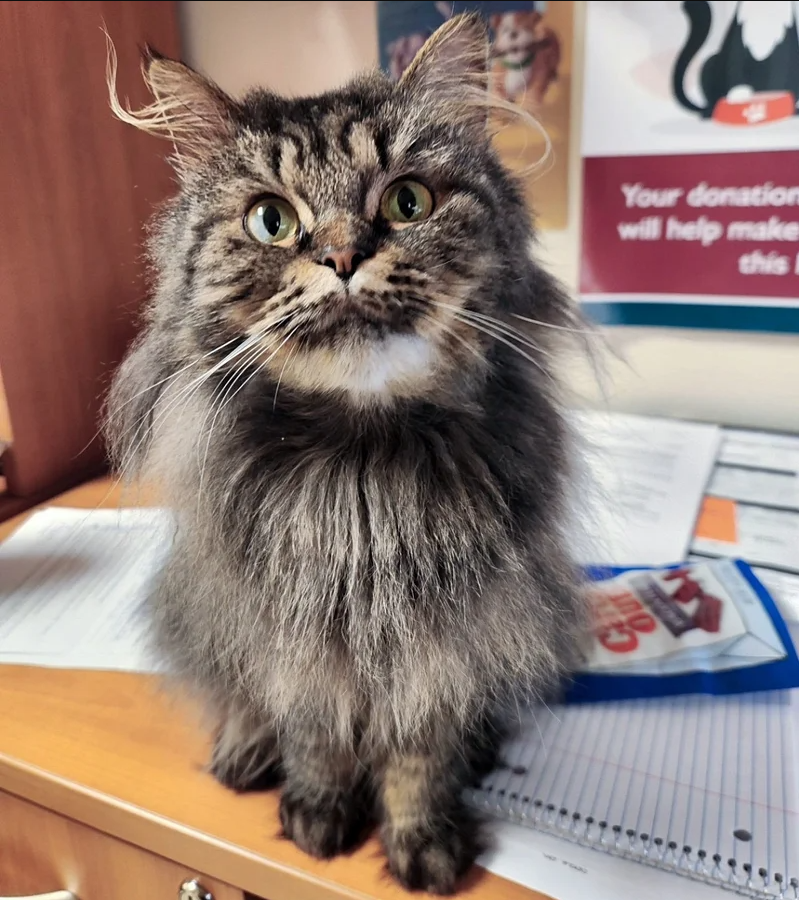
329,150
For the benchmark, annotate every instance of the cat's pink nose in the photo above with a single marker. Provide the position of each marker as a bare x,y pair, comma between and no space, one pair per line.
344,262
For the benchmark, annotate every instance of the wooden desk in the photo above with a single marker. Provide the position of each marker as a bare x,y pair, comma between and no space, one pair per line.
102,792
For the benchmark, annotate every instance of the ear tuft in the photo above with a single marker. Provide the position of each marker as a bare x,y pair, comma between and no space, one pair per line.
188,109
456,55
449,79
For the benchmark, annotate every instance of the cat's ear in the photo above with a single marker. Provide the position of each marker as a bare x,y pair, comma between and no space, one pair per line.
452,66
187,108
196,104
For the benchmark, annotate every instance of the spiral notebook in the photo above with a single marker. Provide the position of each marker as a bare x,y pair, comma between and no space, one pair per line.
700,786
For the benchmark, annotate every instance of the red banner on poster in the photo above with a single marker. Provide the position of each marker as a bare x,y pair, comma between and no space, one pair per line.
691,164
705,224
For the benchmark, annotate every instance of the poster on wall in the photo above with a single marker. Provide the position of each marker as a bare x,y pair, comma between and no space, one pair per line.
531,64
691,164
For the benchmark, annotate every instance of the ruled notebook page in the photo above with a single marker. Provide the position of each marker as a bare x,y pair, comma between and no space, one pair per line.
673,782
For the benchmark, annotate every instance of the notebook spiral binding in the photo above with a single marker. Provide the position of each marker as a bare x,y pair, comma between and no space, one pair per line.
650,850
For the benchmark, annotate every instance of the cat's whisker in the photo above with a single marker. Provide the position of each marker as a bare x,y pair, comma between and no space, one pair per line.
189,390
178,372
453,334
593,332
258,368
510,331
257,348
498,324
506,341
202,375
589,331
231,378
231,390
261,366
291,352
194,383
184,394
144,426
507,330
484,328
152,387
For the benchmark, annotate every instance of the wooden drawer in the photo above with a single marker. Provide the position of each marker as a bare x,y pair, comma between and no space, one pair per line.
41,851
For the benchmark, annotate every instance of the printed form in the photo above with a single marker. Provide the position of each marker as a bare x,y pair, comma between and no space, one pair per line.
644,486
752,510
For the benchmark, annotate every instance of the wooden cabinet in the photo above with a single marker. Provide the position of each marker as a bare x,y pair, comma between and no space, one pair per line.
41,851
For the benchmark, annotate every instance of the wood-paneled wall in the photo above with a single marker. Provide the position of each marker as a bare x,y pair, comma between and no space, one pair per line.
76,187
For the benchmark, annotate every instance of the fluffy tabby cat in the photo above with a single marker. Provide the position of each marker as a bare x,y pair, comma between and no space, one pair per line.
363,452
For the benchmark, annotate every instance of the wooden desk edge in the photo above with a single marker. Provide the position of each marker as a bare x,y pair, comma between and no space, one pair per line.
197,851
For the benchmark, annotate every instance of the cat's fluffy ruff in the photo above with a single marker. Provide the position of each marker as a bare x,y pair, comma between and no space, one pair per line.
361,577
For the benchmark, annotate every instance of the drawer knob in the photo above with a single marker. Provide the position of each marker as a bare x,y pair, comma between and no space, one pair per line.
191,890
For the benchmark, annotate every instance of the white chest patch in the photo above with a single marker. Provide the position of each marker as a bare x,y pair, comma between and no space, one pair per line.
399,365
397,360
764,24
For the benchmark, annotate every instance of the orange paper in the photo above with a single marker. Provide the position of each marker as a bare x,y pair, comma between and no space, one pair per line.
717,520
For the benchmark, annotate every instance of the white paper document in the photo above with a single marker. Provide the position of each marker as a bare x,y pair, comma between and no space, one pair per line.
73,584
760,450
646,482
761,536
567,871
762,487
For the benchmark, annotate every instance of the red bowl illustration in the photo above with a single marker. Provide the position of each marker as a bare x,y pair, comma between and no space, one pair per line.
754,108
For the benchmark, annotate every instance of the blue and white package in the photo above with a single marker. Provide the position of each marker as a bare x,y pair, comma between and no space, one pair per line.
705,627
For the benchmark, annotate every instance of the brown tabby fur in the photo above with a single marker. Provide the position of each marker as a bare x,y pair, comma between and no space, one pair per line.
367,476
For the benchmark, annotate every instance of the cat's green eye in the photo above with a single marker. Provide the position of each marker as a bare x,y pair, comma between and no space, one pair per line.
271,221
406,202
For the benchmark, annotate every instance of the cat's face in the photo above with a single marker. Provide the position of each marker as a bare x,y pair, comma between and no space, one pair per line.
339,241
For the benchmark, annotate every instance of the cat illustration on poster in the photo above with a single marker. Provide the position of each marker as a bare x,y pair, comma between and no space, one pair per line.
753,77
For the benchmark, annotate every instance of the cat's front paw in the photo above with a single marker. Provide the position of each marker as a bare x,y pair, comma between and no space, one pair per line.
252,767
433,859
323,825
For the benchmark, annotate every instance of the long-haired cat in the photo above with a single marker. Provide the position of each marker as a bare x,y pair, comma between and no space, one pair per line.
364,454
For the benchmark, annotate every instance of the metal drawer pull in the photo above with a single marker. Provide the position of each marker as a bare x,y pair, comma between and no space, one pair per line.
55,895
191,890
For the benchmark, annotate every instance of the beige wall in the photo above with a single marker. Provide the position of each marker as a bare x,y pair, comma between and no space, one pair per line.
294,48
305,47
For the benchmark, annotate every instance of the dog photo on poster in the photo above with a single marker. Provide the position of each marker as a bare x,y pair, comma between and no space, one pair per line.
531,65
691,164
